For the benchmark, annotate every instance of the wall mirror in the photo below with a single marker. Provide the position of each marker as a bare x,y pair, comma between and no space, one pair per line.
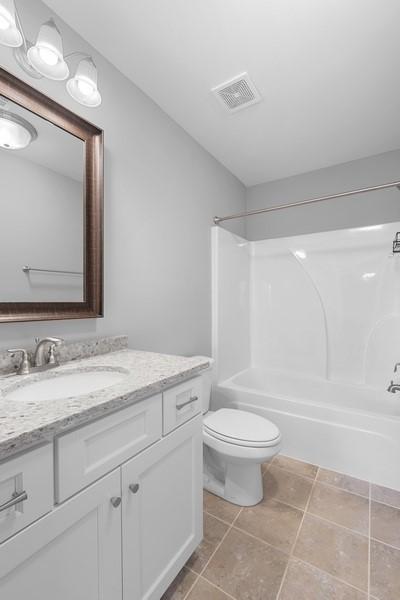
51,208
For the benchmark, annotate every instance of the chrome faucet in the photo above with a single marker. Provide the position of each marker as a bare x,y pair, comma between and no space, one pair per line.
394,387
44,353
44,356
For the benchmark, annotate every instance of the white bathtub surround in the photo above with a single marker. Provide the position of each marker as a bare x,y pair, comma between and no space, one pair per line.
324,324
25,424
230,303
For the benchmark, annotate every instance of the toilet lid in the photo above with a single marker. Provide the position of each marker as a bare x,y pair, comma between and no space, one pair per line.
241,427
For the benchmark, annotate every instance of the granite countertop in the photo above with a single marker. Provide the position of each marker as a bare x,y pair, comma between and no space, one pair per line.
25,424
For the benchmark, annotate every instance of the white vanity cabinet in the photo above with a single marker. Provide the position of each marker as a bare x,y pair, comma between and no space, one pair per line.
127,509
73,553
161,511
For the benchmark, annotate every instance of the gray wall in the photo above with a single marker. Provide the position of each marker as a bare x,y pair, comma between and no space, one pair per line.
161,192
356,211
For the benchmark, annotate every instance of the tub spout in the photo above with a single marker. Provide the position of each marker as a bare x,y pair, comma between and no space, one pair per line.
393,387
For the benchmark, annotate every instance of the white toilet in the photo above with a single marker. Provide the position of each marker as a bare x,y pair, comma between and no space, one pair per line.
235,444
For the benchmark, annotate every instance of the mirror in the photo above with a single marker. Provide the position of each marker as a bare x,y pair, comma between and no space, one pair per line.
50,208
41,208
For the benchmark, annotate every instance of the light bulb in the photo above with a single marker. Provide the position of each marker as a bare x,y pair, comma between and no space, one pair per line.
48,56
86,87
4,23
83,86
10,35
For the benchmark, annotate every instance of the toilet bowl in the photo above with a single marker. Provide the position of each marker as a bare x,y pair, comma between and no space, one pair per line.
235,444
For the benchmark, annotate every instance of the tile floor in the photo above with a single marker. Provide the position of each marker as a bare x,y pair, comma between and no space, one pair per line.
317,535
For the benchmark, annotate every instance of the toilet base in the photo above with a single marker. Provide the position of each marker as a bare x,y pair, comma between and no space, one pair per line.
236,481
242,485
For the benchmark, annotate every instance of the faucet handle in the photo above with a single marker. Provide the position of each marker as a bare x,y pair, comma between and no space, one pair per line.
52,360
25,366
396,366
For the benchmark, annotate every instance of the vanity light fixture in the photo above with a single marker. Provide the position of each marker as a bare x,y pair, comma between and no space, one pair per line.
16,133
45,58
47,55
10,35
83,86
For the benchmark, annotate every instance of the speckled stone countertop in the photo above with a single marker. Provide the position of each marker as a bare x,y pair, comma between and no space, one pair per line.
24,424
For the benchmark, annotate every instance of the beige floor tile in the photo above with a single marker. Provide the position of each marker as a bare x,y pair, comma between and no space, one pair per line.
385,572
272,521
246,568
287,487
341,507
295,466
345,482
385,523
342,553
214,530
386,495
205,591
180,586
266,465
307,582
220,508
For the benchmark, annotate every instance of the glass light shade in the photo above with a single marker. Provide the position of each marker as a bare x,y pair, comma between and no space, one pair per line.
10,35
83,86
47,55
15,132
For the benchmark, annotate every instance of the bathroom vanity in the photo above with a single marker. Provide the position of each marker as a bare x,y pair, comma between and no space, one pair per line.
100,493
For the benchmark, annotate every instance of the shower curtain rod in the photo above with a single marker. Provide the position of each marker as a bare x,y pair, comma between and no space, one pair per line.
259,211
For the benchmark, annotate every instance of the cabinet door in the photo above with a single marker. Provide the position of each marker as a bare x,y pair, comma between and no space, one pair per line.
73,553
162,511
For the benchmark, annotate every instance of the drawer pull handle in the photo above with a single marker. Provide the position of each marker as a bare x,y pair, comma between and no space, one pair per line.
134,487
115,501
16,499
190,401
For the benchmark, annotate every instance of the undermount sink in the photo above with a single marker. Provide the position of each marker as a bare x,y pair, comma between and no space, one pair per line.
64,385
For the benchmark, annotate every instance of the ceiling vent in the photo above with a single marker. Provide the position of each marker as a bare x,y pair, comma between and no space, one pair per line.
238,93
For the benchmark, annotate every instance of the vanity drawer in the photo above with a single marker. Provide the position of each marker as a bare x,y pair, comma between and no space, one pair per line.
88,453
29,477
181,403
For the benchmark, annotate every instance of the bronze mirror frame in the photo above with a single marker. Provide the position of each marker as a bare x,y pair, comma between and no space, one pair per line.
92,307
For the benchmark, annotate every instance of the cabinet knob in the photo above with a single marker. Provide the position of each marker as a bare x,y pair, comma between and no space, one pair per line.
115,501
134,487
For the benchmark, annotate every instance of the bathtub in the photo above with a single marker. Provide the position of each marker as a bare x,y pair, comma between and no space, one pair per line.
353,429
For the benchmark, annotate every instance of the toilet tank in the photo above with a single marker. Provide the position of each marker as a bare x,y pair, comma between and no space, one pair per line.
207,376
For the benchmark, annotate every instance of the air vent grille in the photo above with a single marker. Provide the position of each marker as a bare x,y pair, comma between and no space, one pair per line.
237,93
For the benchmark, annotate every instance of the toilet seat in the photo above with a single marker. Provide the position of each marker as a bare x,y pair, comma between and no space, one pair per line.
241,428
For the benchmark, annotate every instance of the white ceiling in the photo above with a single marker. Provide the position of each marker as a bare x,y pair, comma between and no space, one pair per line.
328,71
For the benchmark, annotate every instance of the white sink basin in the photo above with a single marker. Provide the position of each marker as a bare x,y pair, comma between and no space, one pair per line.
65,385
